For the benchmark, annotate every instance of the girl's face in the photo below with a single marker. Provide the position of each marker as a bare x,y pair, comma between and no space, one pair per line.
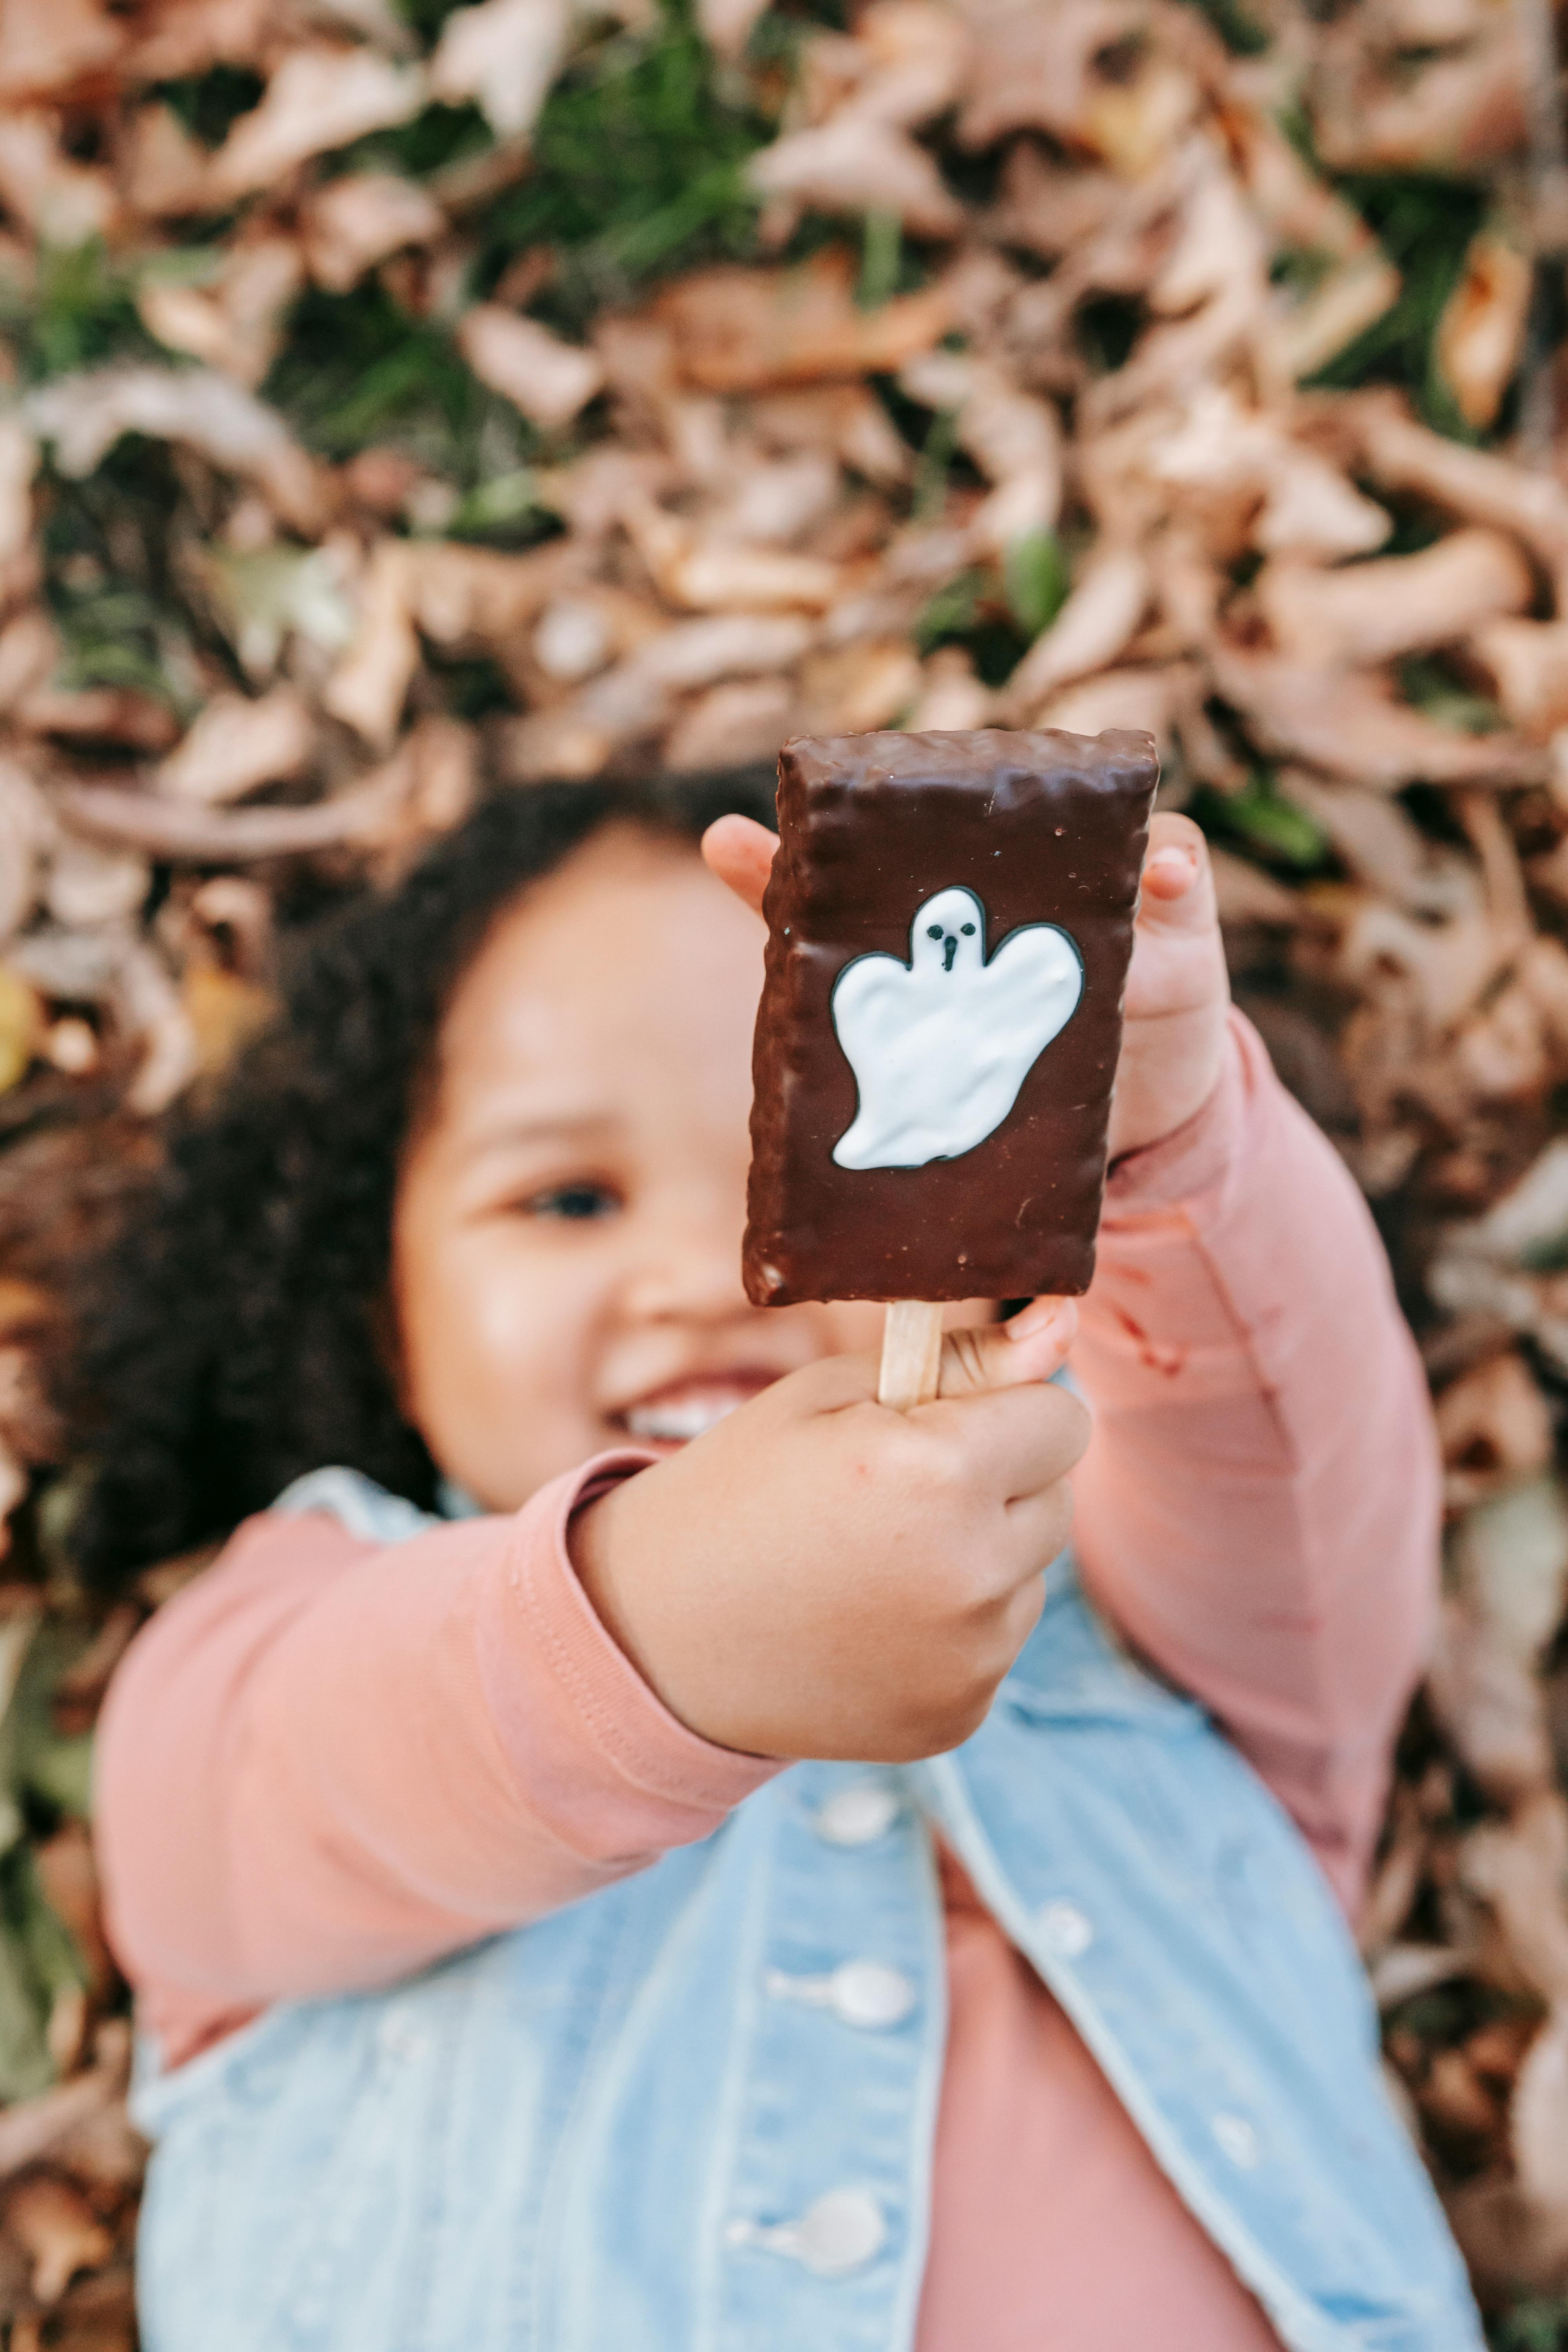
566,1239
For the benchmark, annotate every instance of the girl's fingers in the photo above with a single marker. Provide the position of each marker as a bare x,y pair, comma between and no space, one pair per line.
1015,1442
740,851
1040,1523
1041,1314
1178,883
1000,1356
973,1362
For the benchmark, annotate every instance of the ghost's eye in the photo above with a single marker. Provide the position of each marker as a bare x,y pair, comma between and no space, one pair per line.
933,930
968,929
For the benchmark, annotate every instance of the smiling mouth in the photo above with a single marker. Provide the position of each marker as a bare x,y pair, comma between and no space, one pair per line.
689,1409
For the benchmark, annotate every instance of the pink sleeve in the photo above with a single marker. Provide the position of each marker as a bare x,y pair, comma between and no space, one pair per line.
1259,1507
329,1761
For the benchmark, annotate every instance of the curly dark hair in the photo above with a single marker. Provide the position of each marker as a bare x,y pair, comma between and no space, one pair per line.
235,1331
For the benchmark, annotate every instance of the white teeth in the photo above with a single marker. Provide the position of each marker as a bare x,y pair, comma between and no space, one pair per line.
675,1421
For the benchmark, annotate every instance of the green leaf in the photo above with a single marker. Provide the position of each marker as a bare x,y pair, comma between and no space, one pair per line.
266,593
1037,578
1537,2325
46,1766
60,1771
493,505
51,1951
38,1957
26,2065
1237,28
1434,690
39,1961
1263,820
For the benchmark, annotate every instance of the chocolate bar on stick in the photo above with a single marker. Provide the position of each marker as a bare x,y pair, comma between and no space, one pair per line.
949,922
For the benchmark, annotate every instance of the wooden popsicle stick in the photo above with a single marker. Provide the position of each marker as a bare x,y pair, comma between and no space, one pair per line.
912,1353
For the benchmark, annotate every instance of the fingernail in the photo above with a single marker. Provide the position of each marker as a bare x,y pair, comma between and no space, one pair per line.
1175,861
1041,1316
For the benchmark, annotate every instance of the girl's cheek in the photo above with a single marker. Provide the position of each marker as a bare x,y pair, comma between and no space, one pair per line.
533,1301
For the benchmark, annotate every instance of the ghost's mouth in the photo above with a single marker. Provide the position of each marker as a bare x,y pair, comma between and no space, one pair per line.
949,950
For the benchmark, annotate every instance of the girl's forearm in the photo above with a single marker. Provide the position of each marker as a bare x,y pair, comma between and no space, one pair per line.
331,1761
1258,1510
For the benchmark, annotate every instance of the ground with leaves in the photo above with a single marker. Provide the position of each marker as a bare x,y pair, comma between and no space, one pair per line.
397,402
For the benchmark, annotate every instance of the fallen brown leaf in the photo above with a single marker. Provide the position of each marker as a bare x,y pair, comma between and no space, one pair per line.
318,98
58,2231
754,330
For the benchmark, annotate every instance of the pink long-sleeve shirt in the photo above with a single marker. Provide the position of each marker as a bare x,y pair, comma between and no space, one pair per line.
329,1761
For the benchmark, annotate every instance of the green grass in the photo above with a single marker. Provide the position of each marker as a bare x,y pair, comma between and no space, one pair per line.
109,579
358,368
635,170
437,137
637,161
80,312
1425,225
209,104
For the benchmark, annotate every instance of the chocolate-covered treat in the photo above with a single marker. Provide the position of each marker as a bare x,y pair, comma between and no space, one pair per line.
950,919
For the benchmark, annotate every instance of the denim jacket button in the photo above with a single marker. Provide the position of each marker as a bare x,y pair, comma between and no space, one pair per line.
1066,1930
870,1994
397,2036
840,2233
1238,2140
856,1815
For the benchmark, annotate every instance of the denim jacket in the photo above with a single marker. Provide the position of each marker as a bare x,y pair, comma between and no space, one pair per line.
694,2112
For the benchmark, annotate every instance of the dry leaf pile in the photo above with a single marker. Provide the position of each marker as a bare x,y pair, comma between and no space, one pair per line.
399,400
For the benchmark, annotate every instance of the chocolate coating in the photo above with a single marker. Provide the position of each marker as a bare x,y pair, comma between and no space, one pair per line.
1043,829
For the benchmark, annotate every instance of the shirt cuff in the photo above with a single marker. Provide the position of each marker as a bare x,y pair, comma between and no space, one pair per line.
645,1747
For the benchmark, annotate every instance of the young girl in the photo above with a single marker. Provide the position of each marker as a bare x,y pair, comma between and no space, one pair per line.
506,1980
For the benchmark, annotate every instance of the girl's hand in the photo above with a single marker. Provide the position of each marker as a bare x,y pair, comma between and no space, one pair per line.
820,1576
1173,1044
1178,993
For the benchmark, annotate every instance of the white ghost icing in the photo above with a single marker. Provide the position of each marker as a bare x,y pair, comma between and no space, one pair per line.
940,1045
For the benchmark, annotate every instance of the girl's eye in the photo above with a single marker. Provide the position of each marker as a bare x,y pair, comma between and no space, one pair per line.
574,1202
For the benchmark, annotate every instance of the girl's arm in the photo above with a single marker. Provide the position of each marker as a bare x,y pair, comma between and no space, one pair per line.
328,1761
1258,1510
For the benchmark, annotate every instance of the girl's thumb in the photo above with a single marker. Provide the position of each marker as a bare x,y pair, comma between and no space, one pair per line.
1178,878
1031,1347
